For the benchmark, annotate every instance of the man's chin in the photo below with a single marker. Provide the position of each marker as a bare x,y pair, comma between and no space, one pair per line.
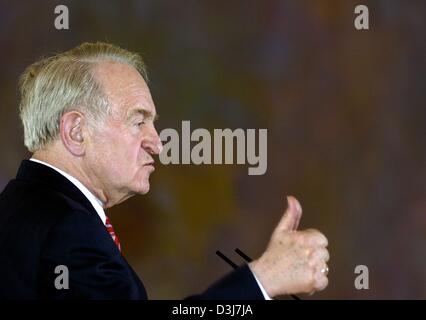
143,185
143,189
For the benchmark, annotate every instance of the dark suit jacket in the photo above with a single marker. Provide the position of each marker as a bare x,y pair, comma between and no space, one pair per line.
46,221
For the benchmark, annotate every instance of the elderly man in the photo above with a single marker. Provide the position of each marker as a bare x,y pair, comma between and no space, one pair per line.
88,119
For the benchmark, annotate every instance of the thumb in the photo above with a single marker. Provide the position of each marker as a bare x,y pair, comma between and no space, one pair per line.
291,218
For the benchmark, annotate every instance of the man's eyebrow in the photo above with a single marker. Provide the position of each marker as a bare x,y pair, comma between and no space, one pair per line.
144,112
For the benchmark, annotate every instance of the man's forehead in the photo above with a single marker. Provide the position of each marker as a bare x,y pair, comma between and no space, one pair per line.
126,89
119,79
132,105
142,110
111,67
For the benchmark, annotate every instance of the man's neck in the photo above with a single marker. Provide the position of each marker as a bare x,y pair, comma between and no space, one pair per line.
72,170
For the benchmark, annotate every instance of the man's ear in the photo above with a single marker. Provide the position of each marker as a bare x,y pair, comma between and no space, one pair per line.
72,131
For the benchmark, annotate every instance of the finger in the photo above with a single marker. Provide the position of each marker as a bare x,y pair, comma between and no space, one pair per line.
321,270
321,276
315,238
321,283
292,215
320,256
298,206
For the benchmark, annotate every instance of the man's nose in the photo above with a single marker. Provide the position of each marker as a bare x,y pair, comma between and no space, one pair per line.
152,143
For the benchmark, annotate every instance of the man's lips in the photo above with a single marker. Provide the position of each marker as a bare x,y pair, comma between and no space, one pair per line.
150,165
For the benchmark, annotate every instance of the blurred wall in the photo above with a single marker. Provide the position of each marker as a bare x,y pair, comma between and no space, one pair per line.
344,110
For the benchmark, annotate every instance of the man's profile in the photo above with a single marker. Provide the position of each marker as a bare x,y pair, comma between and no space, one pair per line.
88,119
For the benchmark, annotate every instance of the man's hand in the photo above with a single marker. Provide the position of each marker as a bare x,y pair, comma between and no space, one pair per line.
294,261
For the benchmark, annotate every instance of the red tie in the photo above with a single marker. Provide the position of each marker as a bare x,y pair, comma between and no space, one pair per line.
110,229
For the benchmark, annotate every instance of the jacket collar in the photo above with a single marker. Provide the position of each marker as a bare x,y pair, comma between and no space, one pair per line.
40,174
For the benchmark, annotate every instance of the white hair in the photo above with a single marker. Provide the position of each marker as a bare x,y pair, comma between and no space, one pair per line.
64,82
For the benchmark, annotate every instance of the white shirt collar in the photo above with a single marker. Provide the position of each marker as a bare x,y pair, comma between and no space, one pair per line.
96,203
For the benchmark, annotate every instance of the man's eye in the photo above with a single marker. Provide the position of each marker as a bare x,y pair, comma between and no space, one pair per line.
139,124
